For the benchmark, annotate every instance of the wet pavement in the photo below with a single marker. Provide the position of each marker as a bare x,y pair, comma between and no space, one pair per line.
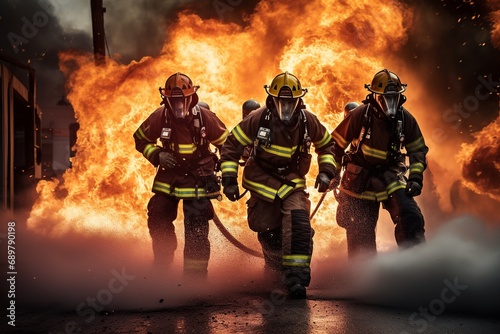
262,313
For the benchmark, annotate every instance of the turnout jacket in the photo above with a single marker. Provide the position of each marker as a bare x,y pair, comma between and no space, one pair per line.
278,158
195,162
372,170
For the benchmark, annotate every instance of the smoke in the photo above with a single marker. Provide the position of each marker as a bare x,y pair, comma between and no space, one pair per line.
70,272
456,270
31,33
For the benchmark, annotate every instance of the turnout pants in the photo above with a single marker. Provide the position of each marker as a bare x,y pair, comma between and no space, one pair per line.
162,211
359,218
285,234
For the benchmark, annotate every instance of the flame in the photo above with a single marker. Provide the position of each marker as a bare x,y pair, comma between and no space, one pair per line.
495,18
481,161
334,47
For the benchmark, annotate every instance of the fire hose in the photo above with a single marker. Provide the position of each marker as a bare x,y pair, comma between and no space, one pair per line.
240,245
231,238
322,198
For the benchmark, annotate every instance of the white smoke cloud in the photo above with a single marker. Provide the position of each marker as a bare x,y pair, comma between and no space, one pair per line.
456,270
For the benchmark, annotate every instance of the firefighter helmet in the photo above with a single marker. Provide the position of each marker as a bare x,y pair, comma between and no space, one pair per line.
350,106
179,85
387,88
285,80
286,91
386,82
248,106
180,94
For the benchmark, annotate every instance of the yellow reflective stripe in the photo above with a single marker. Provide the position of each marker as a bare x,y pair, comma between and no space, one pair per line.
327,159
229,167
180,192
240,136
339,140
415,145
285,189
325,140
373,152
417,167
396,185
149,149
187,148
296,260
381,196
194,264
221,139
259,189
139,134
162,187
281,151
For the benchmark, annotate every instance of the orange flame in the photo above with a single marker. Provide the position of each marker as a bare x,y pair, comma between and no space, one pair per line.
334,47
481,161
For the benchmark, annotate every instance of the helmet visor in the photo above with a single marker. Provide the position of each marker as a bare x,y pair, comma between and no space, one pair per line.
285,107
179,106
389,104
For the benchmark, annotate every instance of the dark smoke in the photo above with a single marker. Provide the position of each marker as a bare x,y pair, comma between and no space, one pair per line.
128,22
33,35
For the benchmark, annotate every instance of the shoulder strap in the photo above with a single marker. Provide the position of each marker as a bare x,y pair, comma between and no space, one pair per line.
365,128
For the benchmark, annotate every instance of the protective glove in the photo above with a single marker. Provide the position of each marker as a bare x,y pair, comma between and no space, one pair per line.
322,182
167,160
231,189
413,188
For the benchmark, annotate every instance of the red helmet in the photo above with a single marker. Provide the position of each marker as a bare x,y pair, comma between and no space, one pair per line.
180,94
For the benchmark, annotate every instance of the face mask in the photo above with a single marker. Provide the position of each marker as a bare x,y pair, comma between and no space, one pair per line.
389,104
180,106
285,107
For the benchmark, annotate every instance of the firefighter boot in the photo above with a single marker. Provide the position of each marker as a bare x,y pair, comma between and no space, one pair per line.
296,281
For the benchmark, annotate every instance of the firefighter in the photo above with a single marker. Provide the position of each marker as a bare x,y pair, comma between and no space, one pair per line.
281,132
350,106
374,167
246,108
185,171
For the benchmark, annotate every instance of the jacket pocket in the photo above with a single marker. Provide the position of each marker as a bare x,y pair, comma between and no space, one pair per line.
355,178
262,216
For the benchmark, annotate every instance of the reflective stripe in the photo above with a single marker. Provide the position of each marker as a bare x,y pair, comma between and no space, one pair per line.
285,189
187,148
373,152
281,151
139,134
396,185
339,140
181,192
379,196
221,139
149,149
259,189
325,140
415,145
297,260
240,136
327,159
417,167
229,167
195,264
